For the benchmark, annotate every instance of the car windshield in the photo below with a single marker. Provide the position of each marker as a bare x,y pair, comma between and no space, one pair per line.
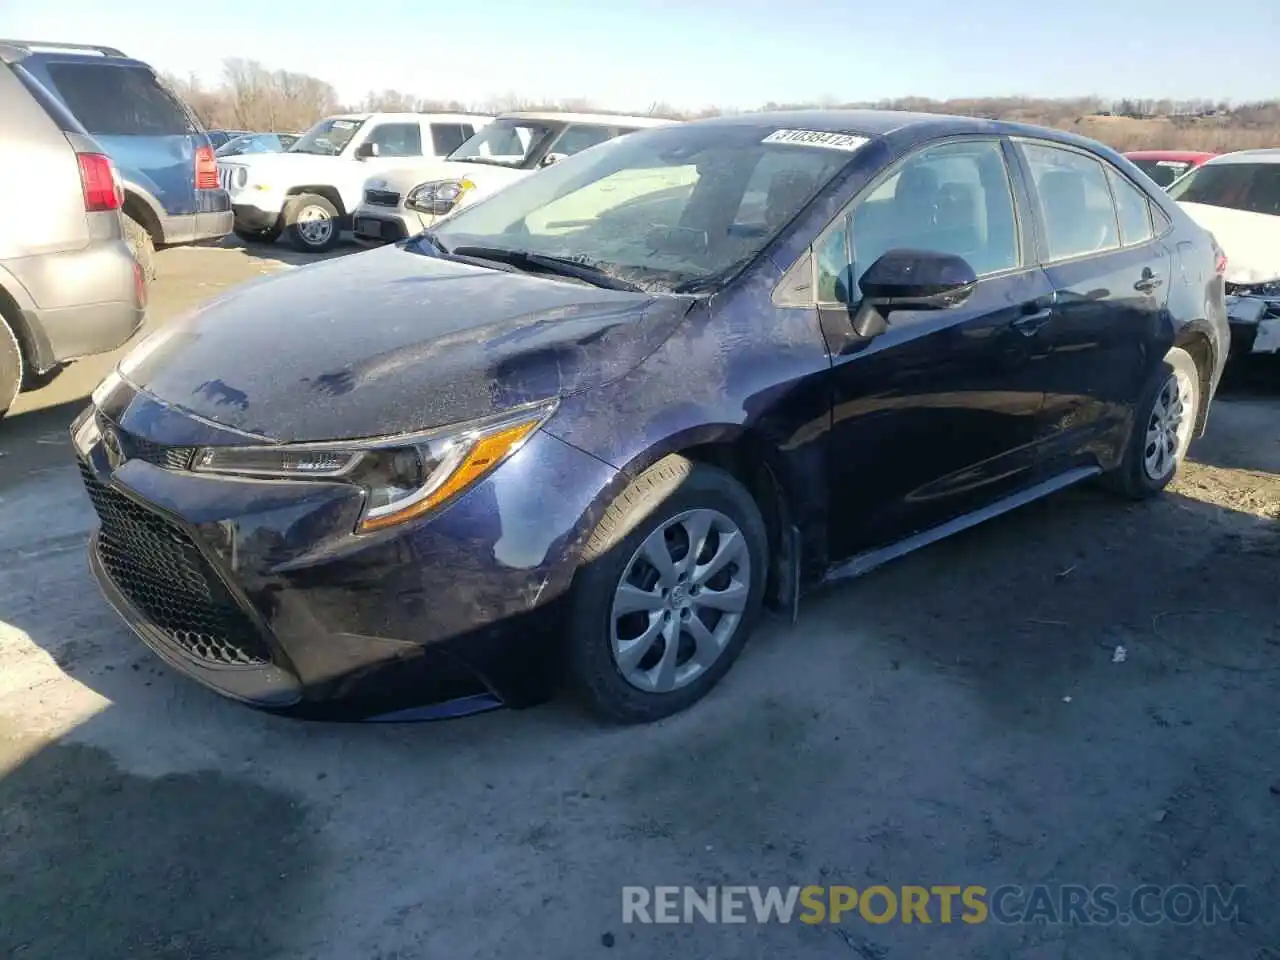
1163,172
670,209
508,143
1254,187
328,137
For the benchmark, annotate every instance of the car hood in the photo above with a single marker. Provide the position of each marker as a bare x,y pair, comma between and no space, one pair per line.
486,176
391,341
1250,240
264,166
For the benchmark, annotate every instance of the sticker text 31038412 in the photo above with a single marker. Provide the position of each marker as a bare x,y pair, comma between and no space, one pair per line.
817,138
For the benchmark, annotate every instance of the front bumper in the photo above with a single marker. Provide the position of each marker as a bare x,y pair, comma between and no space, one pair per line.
1255,324
260,591
373,224
254,219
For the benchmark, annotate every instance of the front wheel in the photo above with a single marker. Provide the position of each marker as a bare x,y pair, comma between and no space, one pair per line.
669,590
1163,426
312,223
10,367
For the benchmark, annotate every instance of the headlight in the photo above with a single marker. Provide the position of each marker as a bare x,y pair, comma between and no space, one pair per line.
437,197
403,477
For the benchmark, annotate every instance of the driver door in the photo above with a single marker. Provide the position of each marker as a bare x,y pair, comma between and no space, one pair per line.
937,416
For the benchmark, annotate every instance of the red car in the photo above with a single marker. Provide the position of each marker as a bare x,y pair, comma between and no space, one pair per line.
1166,166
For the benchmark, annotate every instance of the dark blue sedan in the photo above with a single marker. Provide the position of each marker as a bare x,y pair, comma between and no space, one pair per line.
588,428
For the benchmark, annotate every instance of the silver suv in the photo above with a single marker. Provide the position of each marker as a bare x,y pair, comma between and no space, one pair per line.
69,285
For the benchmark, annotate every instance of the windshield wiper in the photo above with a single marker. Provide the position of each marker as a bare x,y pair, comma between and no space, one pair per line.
560,266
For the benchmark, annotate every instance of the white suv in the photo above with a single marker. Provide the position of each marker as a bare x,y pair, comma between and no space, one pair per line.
406,200
310,189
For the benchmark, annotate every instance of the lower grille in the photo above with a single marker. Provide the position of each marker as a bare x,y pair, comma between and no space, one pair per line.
382,198
162,573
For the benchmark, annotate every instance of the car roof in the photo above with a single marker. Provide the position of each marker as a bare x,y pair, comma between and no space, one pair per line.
1189,156
601,118
409,116
877,123
1262,155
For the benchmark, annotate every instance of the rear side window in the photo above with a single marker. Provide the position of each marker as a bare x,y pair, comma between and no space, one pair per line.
1133,210
1254,187
119,101
448,137
1079,217
397,139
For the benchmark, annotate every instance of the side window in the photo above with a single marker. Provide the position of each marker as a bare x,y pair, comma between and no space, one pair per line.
448,137
832,257
1079,216
951,198
578,137
397,139
1133,210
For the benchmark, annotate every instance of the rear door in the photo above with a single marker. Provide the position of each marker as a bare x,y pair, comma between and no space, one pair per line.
1110,275
147,132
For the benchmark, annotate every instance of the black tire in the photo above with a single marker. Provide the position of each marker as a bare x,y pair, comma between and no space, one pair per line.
1132,478
670,487
300,206
269,235
142,245
11,367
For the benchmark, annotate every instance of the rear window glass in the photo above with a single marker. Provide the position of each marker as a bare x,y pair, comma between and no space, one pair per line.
118,101
1254,187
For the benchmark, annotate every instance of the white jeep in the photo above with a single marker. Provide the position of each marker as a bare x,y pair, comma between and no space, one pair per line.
412,196
310,189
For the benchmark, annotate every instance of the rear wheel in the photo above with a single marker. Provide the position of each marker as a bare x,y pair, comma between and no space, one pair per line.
142,245
10,367
669,590
312,223
1162,430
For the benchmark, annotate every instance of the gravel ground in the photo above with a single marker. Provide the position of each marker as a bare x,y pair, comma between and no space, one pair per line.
953,718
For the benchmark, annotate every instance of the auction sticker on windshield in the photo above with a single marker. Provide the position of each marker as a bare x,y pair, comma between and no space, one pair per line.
817,138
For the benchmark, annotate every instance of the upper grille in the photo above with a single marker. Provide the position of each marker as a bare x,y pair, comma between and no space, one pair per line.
162,572
382,198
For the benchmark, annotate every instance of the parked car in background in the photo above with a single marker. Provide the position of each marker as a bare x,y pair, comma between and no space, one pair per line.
403,201
1236,197
309,190
163,155
220,138
1166,166
257,143
69,284
449,470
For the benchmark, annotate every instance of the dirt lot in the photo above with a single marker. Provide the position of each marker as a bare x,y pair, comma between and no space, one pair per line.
954,718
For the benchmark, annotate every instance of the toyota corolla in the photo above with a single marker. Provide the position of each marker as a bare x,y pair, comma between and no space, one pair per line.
587,429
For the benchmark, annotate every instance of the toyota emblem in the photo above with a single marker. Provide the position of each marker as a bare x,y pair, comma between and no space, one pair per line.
111,442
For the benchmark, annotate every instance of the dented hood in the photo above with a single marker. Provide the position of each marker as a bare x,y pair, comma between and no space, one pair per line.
392,341
1250,240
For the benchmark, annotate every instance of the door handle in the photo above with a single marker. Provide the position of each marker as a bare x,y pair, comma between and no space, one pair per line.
1149,282
1035,314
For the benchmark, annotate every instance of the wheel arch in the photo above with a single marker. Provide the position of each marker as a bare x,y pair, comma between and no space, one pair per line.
1194,339
139,209
749,457
328,191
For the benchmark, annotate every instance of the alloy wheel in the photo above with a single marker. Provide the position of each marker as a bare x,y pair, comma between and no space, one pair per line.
1169,429
314,225
680,600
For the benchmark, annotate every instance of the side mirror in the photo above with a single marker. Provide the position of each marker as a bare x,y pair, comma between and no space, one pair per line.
366,151
551,158
904,280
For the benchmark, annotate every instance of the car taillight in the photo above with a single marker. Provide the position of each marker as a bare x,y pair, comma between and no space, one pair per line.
98,181
206,169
